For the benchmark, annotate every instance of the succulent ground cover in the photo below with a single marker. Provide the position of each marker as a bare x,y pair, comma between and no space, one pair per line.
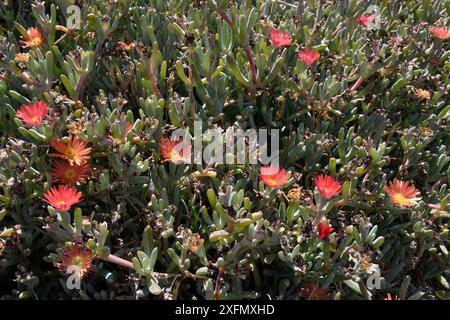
97,202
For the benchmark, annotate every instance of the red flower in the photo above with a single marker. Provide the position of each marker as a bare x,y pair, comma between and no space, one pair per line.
440,32
324,229
34,38
174,151
363,20
75,151
272,176
33,113
279,38
75,259
62,197
402,194
327,186
308,56
63,172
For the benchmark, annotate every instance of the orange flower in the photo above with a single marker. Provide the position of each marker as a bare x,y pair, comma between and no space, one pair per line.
125,46
75,259
173,151
440,32
33,113
327,186
74,151
279,38
272,176
308,56
363,20
62,197
312,291
402,194
324,229
63,172
34,38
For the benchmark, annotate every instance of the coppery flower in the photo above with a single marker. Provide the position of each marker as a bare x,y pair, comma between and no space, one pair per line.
62,197
279,38
64,172
273,177
440,32
313,291
34,38
308,56
33,113
402,194
327,186
75,259
74,151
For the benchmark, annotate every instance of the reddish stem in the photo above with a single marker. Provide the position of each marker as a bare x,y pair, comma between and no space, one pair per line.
357,84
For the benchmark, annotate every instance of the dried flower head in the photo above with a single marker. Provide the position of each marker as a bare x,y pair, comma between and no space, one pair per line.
22,57
62,197
64,172
33,113
279,38
273,176
34,38
402,194
308,56
74,151
295,194
422,93
75,259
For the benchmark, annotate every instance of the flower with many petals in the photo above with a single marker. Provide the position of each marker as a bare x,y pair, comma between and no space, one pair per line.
64,172
402,194
308,56
62,197
313,291
74,151
76,259
327,186
125,46
364,20
33,113
175,151
273,176
34,38
279,38
324,229
440,32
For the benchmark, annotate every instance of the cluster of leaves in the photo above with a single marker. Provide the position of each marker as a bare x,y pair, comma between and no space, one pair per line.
372,108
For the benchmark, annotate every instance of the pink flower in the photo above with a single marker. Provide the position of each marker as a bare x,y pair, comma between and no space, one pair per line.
363,20
308,56
279,38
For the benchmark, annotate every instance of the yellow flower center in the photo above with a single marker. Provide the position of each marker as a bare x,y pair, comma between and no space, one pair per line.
60,202
70,174
70,153
35,118
271,182
400,199
77,261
